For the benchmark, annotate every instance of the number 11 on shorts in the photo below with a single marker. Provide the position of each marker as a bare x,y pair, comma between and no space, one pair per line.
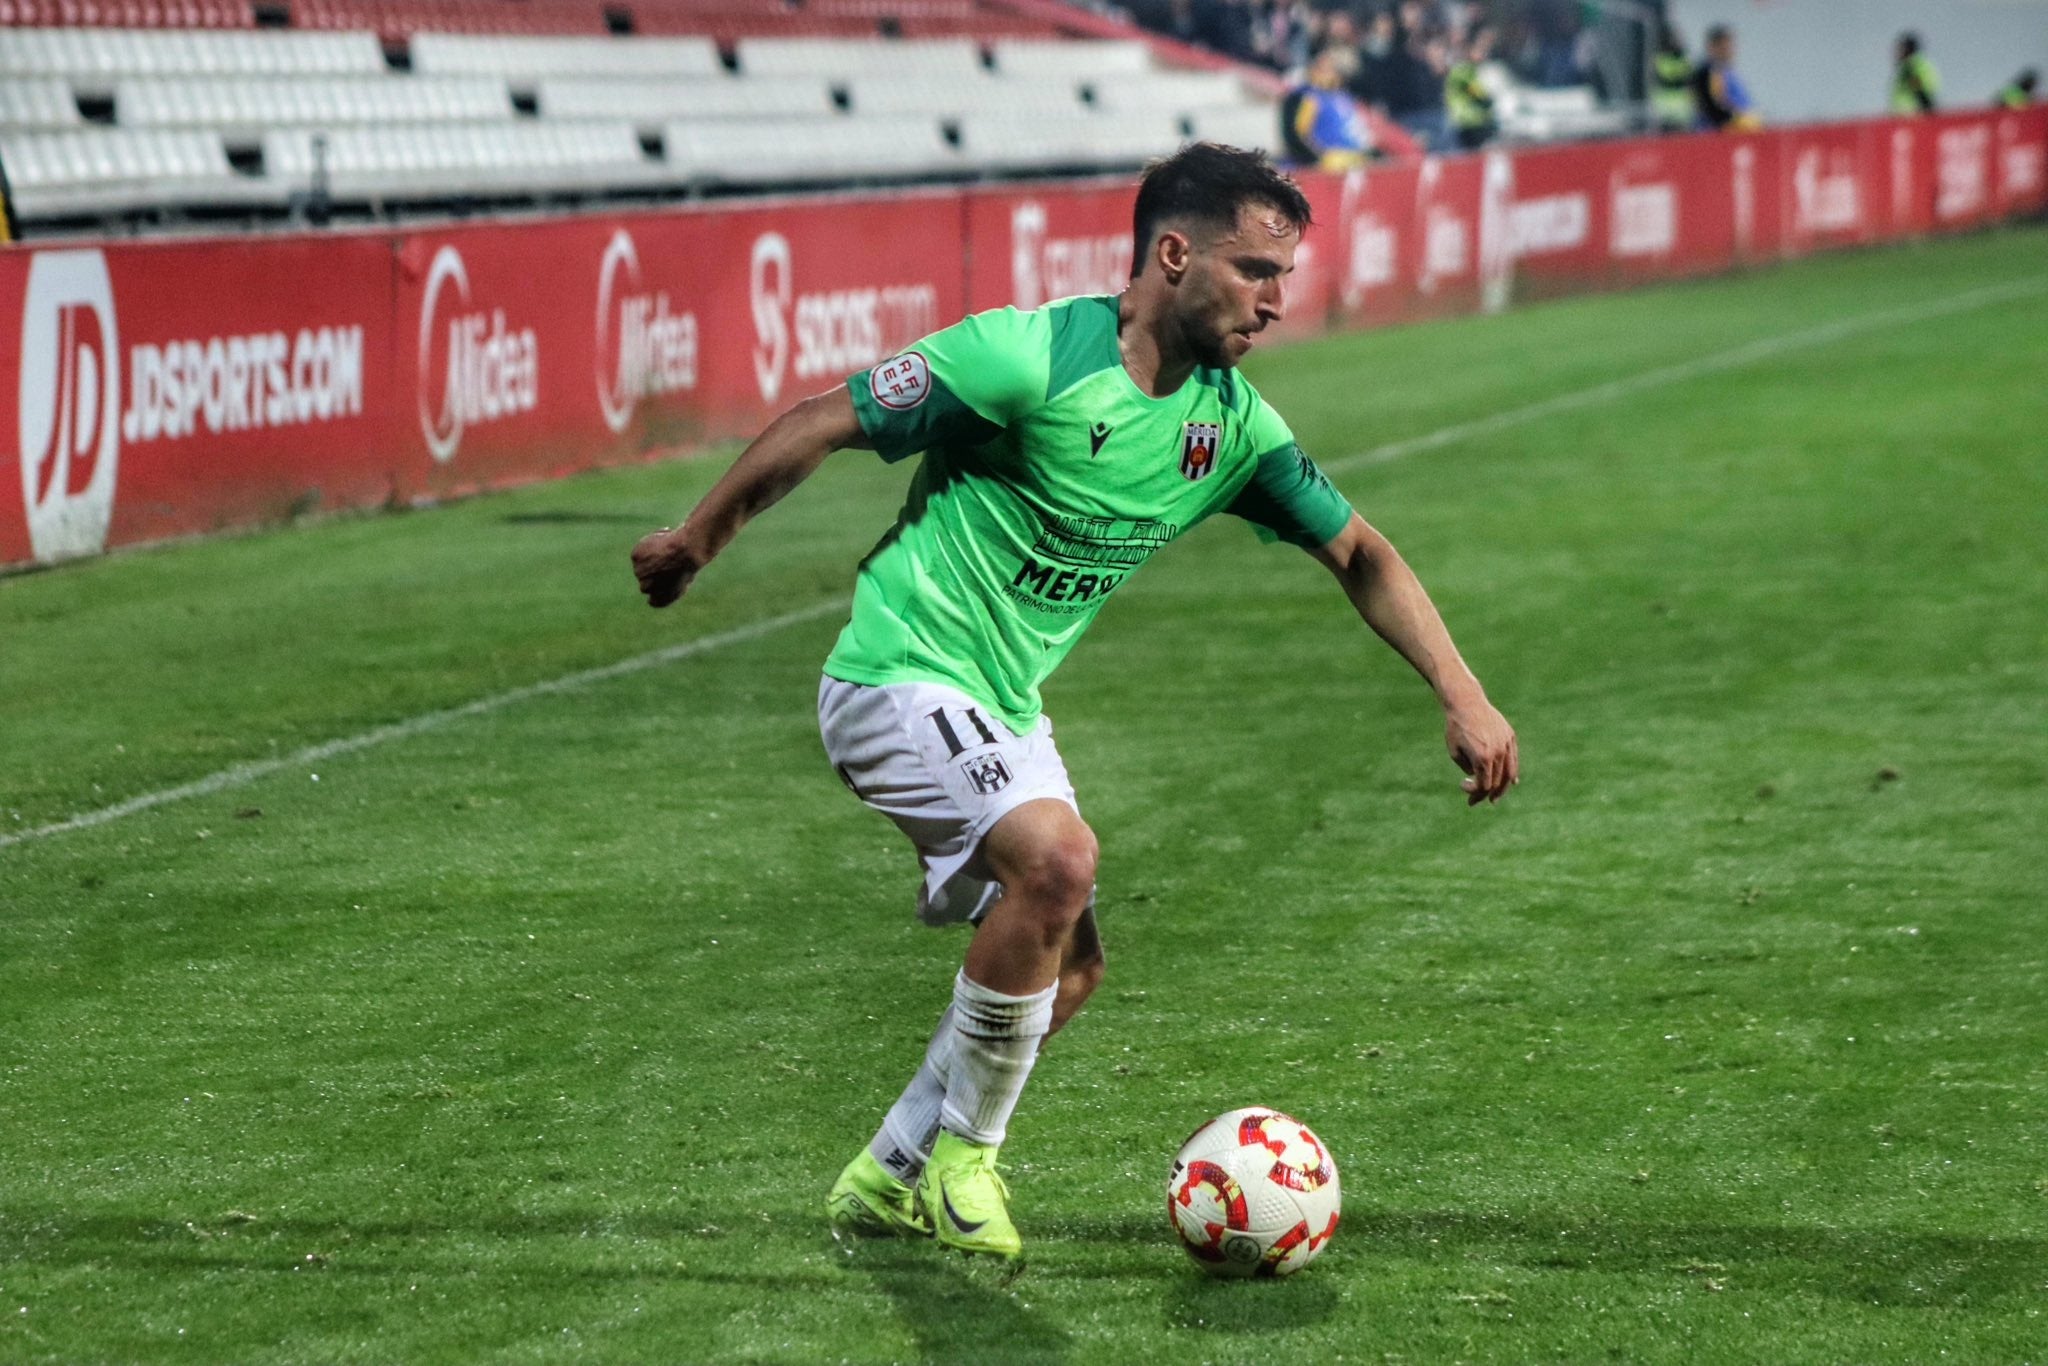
937,716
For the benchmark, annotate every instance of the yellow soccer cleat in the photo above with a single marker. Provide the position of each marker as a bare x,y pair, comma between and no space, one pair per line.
967,1202
867,1202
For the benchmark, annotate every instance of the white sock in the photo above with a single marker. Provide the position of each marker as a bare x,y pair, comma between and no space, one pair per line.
995,1041
904,1141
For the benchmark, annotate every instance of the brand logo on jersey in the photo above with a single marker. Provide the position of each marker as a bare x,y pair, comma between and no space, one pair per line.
902,383
988,773
1098,434
1198,449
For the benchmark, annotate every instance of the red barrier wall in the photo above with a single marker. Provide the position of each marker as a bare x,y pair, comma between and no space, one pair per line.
161,388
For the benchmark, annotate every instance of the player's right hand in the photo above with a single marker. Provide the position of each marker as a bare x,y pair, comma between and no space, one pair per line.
664,566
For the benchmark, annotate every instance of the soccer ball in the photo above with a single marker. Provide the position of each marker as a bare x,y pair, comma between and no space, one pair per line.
1253,1193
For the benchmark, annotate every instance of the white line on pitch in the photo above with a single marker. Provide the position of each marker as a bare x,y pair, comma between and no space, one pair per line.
1731,359
433,720
1763,349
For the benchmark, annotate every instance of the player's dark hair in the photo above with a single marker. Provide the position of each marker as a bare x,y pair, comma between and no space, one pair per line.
1719,33
1208,183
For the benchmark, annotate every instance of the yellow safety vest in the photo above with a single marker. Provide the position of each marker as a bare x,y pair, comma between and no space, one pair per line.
1465,99
1672,98
1914,68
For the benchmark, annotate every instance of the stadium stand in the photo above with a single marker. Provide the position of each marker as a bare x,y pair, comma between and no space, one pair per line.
253,106
652,102
123,170
477,160
791,152
451,54
92,59
138,108
128,13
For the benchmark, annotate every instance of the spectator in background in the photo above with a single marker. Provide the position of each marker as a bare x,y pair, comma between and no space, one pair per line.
1416,91
1295,31
2019,92
1229,27
1320,124
1467,101
1915,83
1671,98
1374,83
1719,93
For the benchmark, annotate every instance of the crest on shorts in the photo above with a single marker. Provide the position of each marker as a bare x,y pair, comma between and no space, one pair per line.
1198,448
988,773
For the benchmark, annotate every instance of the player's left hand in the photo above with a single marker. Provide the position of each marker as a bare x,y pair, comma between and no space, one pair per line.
1483,744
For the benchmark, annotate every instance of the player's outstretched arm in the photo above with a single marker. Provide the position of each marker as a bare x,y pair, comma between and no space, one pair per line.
780,458
1392,601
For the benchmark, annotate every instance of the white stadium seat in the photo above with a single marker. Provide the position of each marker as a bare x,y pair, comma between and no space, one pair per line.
705,97
94,58
440,161
964,95
807,150
254,106
1020,142
37,102
117,170
1079,60
910,60
1178,92
462,54
1255,126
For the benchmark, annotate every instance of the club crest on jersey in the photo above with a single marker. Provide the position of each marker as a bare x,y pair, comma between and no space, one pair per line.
988,773
902,383
1198,448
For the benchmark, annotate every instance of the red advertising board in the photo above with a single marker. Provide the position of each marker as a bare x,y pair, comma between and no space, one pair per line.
209,384
1031,245
163,388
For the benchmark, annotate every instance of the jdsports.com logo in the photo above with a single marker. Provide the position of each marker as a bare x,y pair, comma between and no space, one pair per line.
68,404
486,371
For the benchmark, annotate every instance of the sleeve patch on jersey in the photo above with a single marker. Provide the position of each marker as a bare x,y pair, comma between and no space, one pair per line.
901,384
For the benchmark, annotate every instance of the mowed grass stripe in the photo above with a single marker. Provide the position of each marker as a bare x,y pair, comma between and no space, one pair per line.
1750,353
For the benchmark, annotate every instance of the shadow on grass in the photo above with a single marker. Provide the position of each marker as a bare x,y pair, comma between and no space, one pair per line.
951,1304
564,517
959,1308
1867,1266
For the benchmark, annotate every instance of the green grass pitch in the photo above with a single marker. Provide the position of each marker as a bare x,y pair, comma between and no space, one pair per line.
538,1035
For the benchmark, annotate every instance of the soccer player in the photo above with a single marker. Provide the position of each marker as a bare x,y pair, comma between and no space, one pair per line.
1061,447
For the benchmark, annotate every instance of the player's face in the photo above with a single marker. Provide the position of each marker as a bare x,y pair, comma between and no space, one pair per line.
1235,285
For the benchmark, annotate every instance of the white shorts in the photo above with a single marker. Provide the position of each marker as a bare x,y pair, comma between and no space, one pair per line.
933,760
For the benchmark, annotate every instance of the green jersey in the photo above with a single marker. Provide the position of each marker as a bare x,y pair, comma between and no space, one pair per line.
1048,478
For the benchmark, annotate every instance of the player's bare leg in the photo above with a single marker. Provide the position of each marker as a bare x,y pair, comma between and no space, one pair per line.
1081,969
1043,855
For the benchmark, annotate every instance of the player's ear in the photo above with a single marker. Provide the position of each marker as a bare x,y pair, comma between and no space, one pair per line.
1173,251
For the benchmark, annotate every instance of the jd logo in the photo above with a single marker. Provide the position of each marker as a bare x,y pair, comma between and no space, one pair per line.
68,401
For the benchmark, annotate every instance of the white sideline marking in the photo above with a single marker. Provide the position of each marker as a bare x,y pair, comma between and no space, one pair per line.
433,720
1733,358
1762,349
